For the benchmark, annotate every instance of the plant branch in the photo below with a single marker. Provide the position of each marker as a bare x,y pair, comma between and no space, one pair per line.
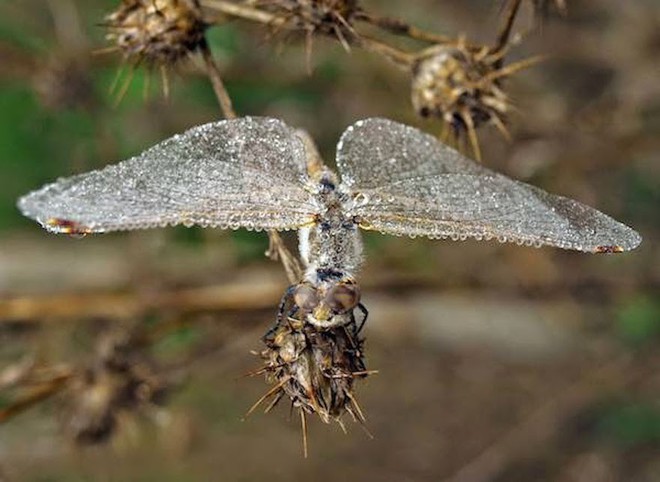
245,12
399,27
35,396
505,30
213,72
398,57
234,297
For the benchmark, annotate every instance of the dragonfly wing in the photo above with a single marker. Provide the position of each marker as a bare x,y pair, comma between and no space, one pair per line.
405,182
373,153
248,172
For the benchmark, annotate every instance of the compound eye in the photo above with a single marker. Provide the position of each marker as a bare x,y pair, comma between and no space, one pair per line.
305,297
343,297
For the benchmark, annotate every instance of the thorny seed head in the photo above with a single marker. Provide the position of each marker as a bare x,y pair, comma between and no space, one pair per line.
121,379
315,368
452,82
323,16
463,86
157,32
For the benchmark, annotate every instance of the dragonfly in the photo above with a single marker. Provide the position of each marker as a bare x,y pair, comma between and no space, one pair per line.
259,173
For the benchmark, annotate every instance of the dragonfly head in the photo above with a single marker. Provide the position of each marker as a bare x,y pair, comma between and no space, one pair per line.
326,304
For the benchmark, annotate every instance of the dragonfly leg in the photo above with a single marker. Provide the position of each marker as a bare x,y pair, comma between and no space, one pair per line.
365,312
286,298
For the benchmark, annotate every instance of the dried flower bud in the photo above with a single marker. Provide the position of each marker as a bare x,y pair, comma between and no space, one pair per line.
315,368
324,16
158,32
462,86
452,83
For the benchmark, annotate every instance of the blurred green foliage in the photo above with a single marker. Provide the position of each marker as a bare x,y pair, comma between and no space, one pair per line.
5,401
630,424
638,320
34,145
177,341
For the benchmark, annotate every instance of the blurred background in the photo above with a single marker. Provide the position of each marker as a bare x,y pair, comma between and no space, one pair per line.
496,362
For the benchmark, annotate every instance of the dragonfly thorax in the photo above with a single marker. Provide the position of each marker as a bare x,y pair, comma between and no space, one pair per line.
331,249
332,244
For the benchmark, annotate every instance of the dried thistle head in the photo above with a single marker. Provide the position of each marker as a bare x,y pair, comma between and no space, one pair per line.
121,379
462,85
323,16
315,368
156,32
326,17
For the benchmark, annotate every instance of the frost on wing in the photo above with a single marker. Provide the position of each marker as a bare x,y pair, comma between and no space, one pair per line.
408,183
248,172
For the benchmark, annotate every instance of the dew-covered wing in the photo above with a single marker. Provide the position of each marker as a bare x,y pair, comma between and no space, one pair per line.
406,182
248,172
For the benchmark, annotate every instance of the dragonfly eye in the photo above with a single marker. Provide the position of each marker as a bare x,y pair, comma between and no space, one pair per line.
343,297
305,297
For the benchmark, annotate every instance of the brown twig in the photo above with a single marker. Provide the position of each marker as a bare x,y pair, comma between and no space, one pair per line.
395,55
245,12
219,88
399,27
303,423
242,295
236,296
278,250
505,30
35,396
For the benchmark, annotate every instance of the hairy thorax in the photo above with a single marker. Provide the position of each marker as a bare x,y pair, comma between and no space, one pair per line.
332,247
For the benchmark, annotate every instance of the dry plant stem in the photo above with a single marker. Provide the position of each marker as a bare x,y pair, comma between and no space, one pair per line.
35,396
513,68
546,420
245,12
472,134
502,128
213,72
236,297
398,57
278,250
505,31
303,422
399,27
